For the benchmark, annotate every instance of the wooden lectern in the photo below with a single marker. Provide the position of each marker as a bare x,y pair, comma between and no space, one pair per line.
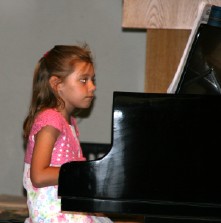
168,24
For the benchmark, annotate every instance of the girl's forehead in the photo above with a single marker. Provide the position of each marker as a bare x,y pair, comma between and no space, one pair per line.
81,69
84,67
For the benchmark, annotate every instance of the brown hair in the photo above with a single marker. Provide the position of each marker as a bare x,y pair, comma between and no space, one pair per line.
60,61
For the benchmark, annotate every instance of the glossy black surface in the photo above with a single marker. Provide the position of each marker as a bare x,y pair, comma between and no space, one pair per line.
164,160
202,71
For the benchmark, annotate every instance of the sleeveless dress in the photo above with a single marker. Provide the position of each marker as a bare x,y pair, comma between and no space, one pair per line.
43,203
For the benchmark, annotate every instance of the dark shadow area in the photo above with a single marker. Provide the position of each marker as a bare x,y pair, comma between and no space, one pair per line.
133,30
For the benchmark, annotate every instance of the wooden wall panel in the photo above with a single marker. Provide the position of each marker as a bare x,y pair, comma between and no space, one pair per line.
163,54
161,14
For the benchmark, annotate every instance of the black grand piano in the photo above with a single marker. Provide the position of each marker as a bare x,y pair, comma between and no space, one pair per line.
164,159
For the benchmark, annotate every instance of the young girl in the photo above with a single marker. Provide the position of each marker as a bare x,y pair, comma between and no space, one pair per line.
63,81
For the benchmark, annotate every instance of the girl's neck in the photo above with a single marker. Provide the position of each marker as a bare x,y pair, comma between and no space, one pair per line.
66,115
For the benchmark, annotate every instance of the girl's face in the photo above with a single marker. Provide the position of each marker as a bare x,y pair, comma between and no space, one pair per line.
77,89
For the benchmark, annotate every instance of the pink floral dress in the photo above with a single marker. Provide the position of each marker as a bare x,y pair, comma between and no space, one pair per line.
43,203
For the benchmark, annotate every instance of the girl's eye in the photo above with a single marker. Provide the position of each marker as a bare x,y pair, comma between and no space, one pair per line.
83,80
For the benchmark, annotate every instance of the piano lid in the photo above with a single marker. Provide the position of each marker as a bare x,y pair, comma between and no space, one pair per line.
199,71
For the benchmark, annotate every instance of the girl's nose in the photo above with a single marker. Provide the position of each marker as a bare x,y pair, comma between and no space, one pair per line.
92,86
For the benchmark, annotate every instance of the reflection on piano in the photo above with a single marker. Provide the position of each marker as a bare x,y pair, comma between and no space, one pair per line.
164,160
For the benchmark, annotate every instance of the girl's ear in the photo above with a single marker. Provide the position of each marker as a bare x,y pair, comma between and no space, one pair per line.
54,81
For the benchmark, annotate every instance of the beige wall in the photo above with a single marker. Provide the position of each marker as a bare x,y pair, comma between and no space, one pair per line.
27,30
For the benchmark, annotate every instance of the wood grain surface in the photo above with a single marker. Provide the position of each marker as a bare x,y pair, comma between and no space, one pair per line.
161,14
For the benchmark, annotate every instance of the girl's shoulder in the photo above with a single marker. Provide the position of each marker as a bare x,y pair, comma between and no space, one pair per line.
49,117
49,113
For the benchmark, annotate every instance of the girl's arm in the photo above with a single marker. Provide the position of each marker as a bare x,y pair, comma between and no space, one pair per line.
42,174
